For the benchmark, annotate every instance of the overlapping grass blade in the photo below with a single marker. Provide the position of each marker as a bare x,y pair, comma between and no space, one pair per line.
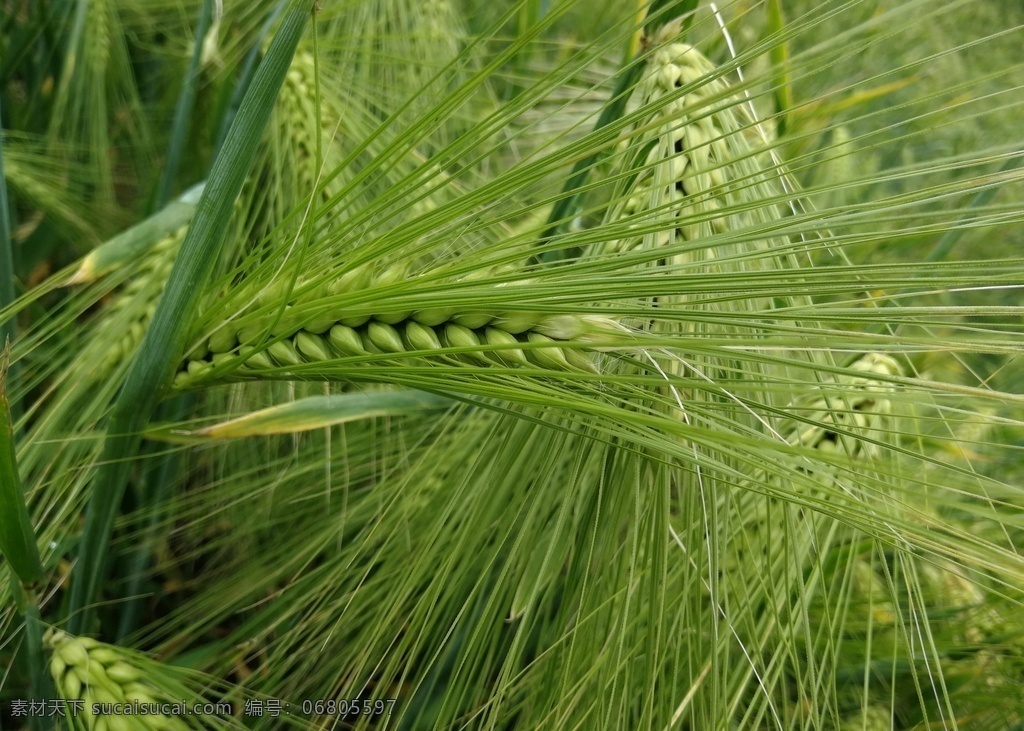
17,538
166,337
133,241
317,412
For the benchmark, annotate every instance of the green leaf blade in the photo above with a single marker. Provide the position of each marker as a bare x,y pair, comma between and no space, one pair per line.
17,539
317,412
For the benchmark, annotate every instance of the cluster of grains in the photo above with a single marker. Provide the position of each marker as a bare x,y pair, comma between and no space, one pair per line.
126,319
507,339
287,173
492,344
875,717
297,119
955,595
852,423
95,673
690,159
694,188
854,417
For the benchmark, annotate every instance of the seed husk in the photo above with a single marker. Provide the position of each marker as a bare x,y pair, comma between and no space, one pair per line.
346,341
355,321
253,331
516,322
434,316
579,360
259,359
506,353
393,318
121,672
421,337
223,340
312,346
100,684
385,337
284,353
458,336
353,280
70,685
547,357
198,367
138,692
271,295
199,352
288,323
391,274
320,325
473,321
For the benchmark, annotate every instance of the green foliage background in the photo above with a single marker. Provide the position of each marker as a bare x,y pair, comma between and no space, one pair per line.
768,474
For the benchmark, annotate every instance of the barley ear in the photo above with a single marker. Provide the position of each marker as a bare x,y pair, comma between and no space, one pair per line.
90,671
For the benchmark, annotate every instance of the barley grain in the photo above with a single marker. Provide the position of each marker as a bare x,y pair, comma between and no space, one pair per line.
434,316
457,336
505,344
312,346
696,142
421,337
385,337
346,341
284,353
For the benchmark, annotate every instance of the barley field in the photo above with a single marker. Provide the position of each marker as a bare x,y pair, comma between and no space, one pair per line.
544,364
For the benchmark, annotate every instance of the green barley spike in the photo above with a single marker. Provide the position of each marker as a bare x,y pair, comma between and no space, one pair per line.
850,417
343,342
84,669
691,158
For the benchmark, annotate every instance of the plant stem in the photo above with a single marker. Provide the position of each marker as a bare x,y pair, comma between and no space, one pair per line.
156,491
